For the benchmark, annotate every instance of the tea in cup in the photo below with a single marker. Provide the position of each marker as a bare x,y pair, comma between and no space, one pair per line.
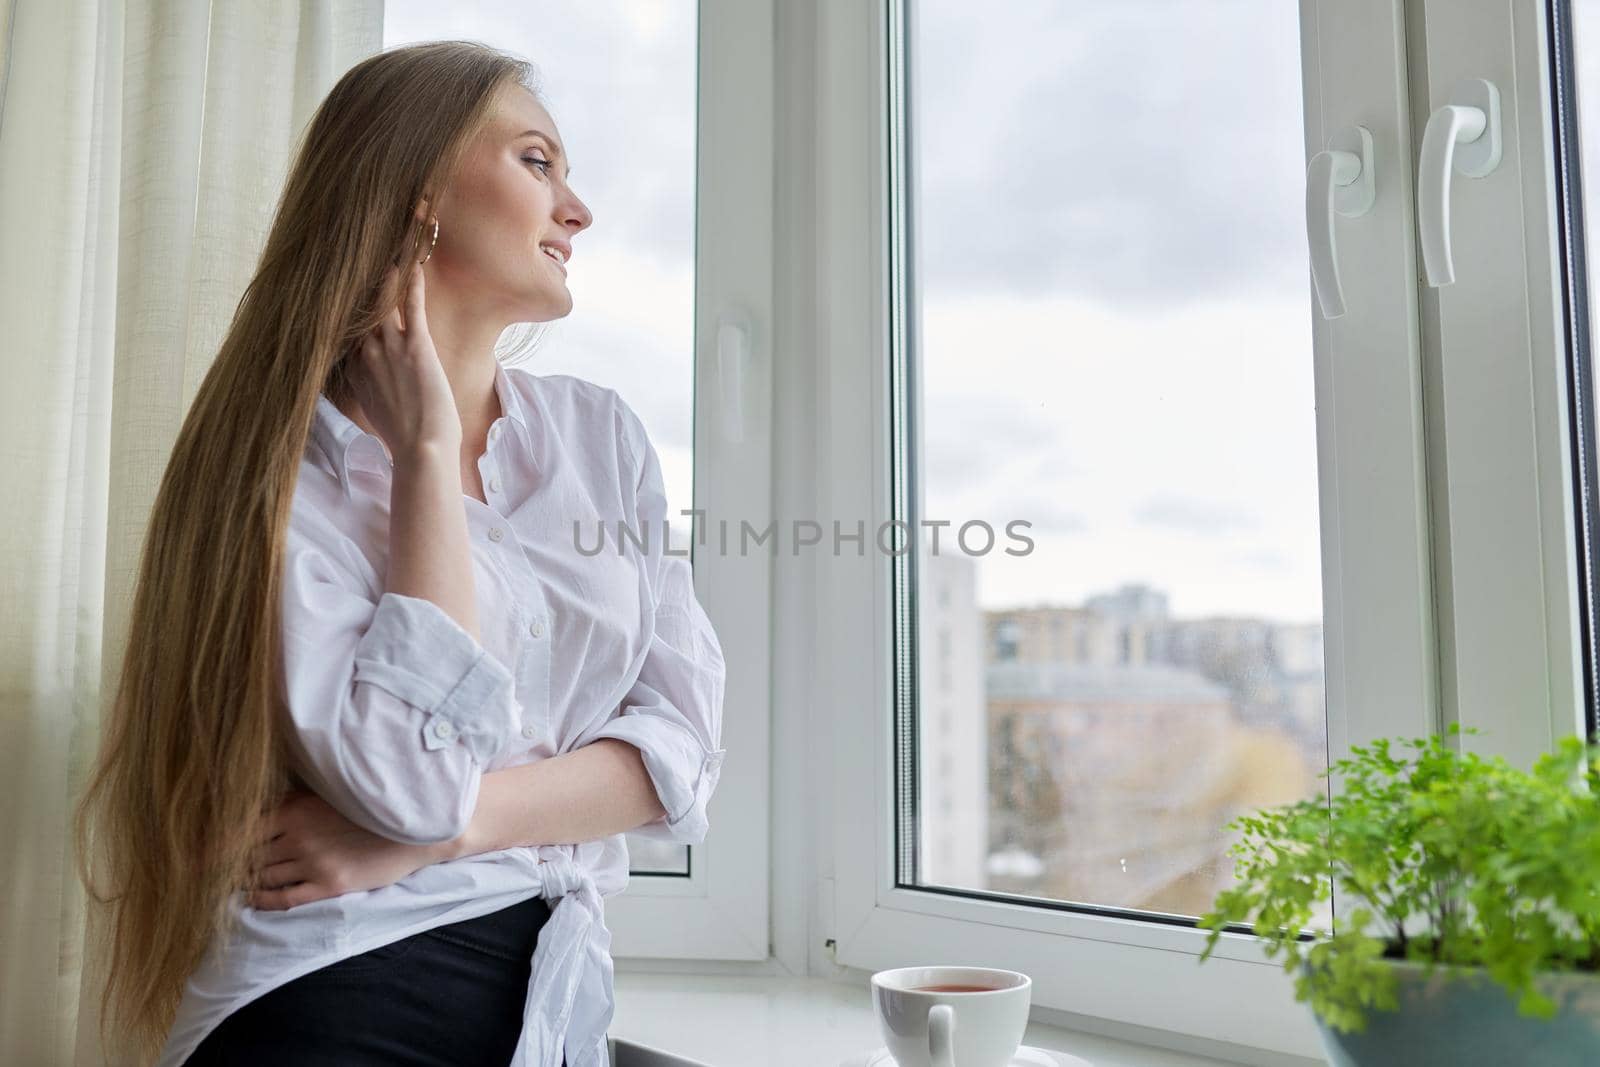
952,1016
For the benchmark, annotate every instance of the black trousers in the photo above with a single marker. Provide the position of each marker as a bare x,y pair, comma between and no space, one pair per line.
447,997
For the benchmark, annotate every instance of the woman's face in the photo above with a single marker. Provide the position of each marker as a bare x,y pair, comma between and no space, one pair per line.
509,205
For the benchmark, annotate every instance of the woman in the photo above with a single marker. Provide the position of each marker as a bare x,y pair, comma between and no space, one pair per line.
387,711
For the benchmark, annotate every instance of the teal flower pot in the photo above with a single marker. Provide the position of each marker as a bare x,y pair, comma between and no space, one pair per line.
1461,1017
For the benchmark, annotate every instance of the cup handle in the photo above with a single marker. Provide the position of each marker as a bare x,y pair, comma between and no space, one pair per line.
942,1035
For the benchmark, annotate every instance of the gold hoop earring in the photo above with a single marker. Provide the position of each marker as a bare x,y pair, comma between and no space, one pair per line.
431,243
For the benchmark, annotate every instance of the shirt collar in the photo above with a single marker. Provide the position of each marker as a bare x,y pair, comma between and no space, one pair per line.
349,447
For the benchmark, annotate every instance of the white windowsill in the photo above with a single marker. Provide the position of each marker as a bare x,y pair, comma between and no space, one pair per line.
807,1022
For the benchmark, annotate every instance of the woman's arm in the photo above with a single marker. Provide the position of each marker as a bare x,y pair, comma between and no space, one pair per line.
591,792
429,555
310,851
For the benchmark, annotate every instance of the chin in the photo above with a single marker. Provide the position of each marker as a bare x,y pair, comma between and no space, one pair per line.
554,305
543,304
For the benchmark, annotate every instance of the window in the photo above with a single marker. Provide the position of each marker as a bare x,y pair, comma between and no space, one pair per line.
1137,292
1276,517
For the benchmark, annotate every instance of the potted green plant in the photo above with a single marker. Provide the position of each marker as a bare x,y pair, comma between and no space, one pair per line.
1467,927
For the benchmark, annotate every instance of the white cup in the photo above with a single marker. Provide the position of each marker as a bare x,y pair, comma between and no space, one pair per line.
945,1028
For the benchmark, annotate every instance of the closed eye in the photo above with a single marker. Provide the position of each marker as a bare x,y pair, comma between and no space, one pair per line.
544,164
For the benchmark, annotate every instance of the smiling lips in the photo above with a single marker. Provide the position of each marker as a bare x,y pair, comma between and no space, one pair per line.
557,253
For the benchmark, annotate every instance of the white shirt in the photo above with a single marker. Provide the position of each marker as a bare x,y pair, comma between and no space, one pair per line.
398,711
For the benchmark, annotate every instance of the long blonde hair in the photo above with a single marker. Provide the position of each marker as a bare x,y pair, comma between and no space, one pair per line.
192,757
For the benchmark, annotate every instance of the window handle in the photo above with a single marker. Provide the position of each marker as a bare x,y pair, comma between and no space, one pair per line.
1463,136
1338,180
733,356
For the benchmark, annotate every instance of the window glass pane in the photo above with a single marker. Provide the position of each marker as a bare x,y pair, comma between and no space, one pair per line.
619,80
1108,336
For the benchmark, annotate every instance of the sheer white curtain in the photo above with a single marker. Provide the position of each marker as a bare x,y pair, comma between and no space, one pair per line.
143,145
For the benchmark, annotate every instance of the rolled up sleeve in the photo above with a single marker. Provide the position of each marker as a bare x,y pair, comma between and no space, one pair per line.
673,711
395,708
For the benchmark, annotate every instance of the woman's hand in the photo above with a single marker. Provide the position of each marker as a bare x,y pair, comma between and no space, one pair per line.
311,851
400,383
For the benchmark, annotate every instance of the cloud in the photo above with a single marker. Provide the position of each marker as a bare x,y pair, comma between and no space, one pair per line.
1136,152
1198,516
1048,514
1262,558
970,439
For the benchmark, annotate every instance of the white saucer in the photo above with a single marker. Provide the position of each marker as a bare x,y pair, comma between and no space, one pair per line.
1027,1056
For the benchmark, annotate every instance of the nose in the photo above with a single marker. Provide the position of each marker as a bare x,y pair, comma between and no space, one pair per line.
574,213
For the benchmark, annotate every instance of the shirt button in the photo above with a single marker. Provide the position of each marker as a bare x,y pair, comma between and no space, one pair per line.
529,732
537,629
494,485
444,729
494,431
495,533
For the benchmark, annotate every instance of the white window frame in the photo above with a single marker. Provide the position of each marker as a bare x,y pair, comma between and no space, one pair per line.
1391,522
1500,448
720,911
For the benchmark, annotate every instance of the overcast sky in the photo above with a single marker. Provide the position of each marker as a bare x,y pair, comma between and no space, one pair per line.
1116,315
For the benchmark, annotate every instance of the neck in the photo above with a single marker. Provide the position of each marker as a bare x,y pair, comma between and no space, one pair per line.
477,404
464,330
